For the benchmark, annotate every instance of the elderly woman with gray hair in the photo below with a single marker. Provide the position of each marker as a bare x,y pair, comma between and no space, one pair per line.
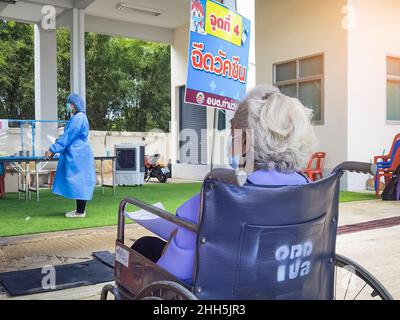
271,132
271,138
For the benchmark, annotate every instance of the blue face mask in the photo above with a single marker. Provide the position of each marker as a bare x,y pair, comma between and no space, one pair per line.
68,107
234,161
197,19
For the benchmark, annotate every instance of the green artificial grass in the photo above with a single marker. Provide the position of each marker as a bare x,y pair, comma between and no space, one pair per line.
346,196
20,218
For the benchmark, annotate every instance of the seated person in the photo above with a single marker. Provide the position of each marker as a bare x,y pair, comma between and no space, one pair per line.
283,139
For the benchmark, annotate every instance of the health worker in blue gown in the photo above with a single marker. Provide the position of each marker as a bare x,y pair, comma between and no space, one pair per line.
75,176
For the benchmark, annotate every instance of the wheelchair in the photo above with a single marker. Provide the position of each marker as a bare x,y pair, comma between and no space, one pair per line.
260,242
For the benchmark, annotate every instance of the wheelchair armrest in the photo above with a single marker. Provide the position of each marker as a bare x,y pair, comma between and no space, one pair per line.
163,214
353,166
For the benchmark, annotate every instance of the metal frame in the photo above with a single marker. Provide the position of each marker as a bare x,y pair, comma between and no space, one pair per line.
155,289
102,184
33,130
298,80
154,278
154,210
24,181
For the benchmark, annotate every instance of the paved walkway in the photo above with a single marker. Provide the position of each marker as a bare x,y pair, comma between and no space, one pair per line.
376,249
362,211
29,252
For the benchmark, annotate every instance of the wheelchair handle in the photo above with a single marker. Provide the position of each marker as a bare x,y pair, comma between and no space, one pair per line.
228,176
360,167
154,210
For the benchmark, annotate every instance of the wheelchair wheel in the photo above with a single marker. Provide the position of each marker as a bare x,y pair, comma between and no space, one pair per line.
353,282
165,290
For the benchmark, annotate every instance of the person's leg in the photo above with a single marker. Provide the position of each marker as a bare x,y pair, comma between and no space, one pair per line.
150,247
80,206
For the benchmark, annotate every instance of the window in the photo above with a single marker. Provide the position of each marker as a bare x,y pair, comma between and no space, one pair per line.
393,89
303,78
221,120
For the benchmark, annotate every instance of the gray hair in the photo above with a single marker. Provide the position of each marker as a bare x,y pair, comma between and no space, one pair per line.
283,135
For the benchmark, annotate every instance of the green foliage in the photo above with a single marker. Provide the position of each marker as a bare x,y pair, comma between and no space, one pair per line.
16,71
146,98
63,72
127,80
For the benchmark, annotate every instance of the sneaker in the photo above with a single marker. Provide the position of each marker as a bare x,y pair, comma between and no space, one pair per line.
74,214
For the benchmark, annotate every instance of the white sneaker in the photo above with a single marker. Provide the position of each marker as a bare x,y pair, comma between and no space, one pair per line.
74,214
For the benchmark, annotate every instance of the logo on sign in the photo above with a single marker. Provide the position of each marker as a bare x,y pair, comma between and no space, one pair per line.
200,98
218,55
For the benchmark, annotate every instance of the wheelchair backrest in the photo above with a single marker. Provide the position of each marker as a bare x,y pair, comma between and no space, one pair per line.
264,242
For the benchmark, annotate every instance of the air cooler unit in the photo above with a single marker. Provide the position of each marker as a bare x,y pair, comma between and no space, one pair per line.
129,164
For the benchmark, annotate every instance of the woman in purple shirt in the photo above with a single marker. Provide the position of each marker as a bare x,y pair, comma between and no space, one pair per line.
271,138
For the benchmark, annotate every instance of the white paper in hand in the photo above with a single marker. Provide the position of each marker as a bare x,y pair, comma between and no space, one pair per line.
150,221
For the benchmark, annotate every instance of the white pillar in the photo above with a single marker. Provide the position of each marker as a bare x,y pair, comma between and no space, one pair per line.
78,67
45,86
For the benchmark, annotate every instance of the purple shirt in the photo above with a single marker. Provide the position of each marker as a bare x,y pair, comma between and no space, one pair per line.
179,257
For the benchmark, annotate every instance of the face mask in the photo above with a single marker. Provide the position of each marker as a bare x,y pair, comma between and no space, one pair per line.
68,107
233,160
197,19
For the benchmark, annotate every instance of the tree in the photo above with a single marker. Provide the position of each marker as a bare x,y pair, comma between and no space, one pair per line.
127,80
63,71
17,71
146,95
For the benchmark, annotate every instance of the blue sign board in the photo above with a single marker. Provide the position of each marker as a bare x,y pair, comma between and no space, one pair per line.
218,55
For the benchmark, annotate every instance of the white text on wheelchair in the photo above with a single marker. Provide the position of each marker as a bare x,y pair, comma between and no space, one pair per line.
292,260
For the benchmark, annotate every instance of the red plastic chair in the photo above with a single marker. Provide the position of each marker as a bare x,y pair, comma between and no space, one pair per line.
386,157
387,173
314,172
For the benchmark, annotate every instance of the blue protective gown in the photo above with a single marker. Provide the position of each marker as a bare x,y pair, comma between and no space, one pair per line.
75,176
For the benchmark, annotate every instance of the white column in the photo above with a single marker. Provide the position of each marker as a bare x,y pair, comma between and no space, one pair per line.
45,86
78,67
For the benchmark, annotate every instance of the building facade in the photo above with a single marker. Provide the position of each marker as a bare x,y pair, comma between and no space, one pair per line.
347,68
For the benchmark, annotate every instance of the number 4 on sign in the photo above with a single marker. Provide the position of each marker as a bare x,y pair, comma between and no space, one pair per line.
236,30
